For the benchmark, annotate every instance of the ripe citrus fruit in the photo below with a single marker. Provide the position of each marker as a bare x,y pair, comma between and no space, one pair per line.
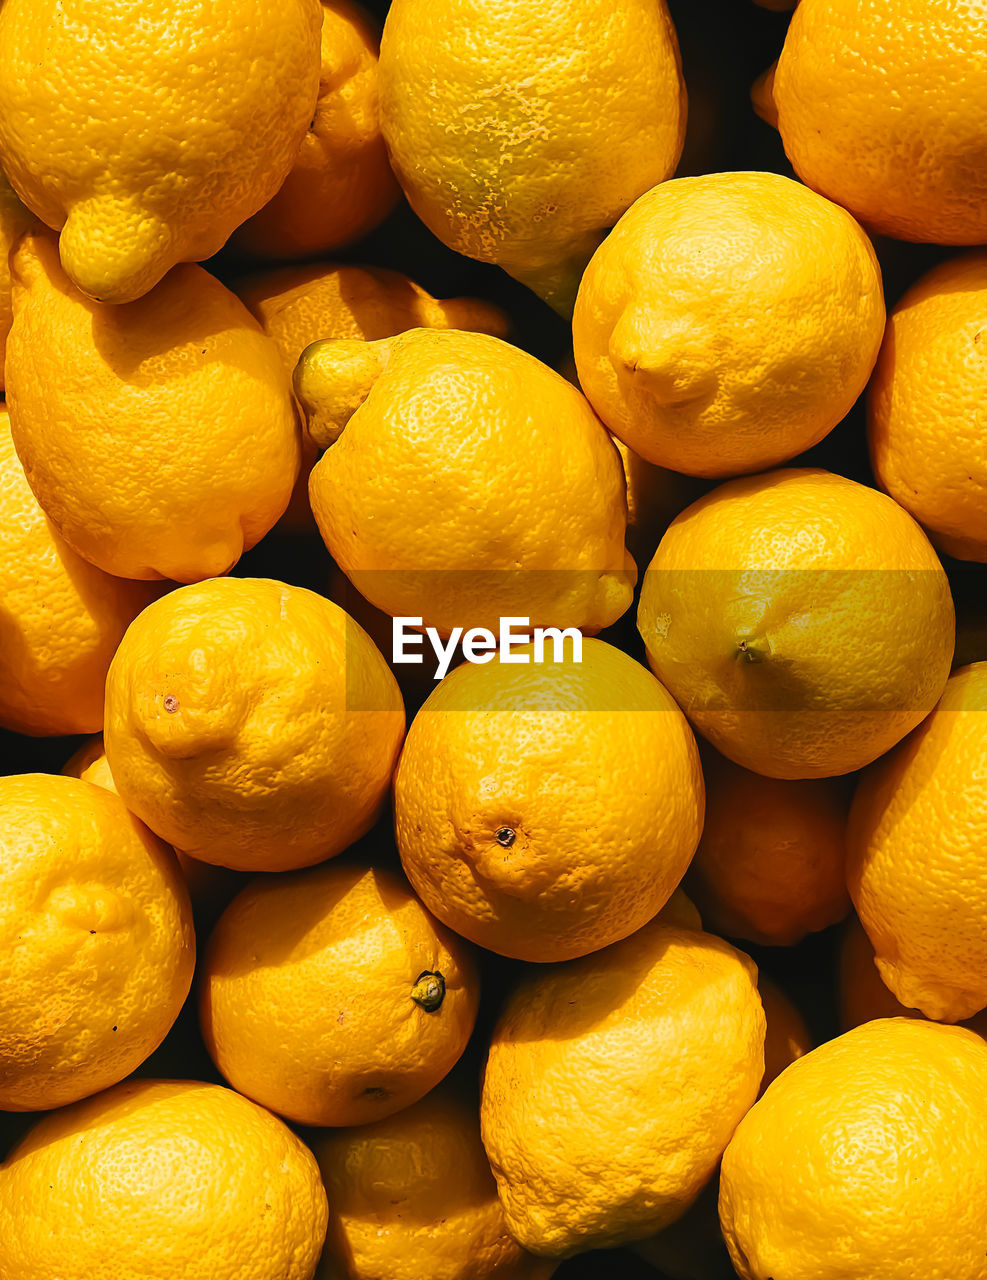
728,322
520,153
862,1157
913,848
881,107
452,451
61,618
924,406
147,134
333,997
655,495
158,1179
300,305
413,1195
801,620
862,993
14,221
97,945
503,826
159,437
341,184
613,1084
252,724
771,864
210,888
787,1037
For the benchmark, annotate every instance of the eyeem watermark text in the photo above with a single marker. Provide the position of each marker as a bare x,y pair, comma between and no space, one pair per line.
479,644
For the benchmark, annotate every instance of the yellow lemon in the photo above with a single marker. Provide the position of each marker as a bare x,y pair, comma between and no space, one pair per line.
865,1160
96,942
252,724
299,305
728,322
613,1084
924,404
862,993
210,888
333,997
341,184
160,437
465,481
61,618
413,1196
146,134
14,221
160,1179
882,107
913,856
507,134
503,826
771,864
801,620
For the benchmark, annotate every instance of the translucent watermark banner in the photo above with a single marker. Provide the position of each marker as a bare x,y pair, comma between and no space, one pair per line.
722,640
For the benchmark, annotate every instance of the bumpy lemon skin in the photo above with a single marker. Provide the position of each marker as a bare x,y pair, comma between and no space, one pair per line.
413,1195
341,184
146,135
863,1157
520,153
252,724
159,437
923,404
465,481
728,322
802,621
771,864
500,819
916,827
881,107
98,946
161,1178
613,1084
61,618
312,1000
297,306
15,219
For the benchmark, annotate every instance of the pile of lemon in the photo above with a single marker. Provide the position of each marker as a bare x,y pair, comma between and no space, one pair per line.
245,915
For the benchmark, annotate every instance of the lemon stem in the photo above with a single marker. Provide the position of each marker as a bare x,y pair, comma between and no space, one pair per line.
429,991
754,649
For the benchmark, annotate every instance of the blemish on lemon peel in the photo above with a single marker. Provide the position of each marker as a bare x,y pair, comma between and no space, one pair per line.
662,623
